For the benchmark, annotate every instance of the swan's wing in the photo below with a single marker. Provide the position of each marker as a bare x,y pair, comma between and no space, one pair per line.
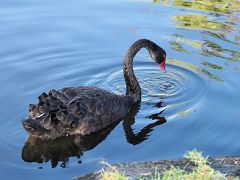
97,109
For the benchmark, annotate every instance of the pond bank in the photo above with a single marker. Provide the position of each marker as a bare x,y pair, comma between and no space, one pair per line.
230,166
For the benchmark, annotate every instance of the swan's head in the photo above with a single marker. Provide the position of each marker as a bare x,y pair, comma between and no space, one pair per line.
159,56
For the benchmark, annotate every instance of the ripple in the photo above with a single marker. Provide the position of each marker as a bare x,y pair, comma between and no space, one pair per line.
176,87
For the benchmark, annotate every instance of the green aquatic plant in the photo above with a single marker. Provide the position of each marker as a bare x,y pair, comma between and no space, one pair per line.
196,69
206,48
195,44
210,48
213,66
211,75
218,6
209,22
181,39
198,21
177,46
220,35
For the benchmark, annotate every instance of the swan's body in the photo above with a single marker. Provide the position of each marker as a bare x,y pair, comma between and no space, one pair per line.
83,110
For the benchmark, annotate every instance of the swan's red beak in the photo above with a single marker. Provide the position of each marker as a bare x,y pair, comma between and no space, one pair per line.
163,65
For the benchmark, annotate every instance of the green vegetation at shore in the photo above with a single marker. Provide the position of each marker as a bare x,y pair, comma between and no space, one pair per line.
202,171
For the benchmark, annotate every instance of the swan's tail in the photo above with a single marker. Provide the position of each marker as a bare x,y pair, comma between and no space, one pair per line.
48,113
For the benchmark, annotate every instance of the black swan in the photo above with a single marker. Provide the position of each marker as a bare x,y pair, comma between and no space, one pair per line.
84,110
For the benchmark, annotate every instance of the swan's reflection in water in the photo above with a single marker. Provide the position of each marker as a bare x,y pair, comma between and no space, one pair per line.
61,149
143,134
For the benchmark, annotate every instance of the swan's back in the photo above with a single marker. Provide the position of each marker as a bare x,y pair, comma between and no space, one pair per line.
75,110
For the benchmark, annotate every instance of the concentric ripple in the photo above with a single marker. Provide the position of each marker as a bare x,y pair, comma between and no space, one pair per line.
176,87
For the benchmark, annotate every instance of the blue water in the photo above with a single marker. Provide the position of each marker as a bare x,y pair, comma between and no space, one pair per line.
55,44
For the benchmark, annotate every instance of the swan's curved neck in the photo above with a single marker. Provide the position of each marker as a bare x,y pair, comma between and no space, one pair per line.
132,86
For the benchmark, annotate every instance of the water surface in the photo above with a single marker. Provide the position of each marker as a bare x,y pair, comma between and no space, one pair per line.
55,44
